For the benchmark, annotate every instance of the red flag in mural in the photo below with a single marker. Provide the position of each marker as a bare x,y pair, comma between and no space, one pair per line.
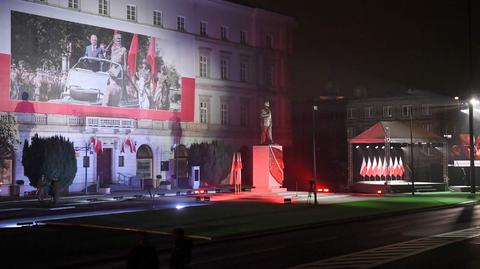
151,59
132,56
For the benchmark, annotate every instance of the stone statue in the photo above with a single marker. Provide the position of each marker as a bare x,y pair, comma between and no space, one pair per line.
266,124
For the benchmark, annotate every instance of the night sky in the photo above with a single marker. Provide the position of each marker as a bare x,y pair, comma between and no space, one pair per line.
381,45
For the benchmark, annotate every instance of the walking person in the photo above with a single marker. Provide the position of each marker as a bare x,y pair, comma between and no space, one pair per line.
143,256
181,255
54,189
41,188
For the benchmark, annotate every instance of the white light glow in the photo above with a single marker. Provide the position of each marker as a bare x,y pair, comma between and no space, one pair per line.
357,147
367,147
179,207
474,101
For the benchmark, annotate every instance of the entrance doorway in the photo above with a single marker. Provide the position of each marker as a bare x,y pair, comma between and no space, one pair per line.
104,167
145,162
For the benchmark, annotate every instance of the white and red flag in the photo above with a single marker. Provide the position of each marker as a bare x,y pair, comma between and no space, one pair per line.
395,167
374,167
402,168
385,167
369,168
363,169
379,167
96,144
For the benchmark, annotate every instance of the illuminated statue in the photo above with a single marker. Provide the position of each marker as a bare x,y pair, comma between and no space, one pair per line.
266,124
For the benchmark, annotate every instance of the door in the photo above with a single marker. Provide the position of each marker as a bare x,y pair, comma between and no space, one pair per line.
104,167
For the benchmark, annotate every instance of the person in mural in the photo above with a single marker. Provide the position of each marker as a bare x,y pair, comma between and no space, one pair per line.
143,84
103,55
13,82
162,92
118,55
266,124
93,50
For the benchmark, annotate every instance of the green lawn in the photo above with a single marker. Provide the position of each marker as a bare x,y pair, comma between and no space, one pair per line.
239,218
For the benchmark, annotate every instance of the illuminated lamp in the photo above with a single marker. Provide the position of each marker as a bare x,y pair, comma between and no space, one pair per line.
376,147
326,190
367,147
320,190
357,146
196,192
383,147
202,191
379,192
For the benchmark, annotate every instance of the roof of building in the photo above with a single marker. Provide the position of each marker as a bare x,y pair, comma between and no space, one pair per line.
399,134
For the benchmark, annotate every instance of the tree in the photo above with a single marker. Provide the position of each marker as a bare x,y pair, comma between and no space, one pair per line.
51,156
214,159
8,136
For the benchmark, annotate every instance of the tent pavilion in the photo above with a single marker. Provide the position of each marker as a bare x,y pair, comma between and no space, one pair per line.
381,156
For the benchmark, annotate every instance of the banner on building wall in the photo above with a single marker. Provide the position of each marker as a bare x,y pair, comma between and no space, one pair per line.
460,150
64,67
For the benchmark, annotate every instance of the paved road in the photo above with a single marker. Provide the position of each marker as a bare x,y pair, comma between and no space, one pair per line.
313,245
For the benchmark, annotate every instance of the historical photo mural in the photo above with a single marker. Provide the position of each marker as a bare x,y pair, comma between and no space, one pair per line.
63,62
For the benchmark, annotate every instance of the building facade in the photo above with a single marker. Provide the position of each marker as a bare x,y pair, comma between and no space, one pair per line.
158,74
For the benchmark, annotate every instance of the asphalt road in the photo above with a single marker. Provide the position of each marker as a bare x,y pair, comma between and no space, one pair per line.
304,246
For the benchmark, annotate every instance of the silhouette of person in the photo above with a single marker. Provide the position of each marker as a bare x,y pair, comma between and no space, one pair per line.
182,250
143,256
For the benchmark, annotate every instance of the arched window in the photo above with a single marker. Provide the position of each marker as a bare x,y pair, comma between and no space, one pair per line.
145,162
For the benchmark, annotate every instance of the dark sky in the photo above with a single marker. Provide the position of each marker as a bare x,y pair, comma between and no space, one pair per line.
382,45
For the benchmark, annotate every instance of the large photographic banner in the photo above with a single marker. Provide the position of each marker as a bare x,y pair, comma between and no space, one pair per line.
62,67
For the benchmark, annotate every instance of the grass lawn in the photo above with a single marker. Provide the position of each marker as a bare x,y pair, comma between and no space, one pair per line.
227,219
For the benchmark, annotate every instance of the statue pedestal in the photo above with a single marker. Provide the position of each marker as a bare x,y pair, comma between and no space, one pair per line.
268,168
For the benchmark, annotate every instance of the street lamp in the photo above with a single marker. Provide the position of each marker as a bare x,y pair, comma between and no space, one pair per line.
472,103
315,108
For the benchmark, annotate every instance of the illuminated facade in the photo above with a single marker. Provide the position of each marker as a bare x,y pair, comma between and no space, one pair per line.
159,74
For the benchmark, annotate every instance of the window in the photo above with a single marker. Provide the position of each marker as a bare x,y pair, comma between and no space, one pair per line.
243,37
427,127
350,113
203,66
224,113
103,7
203,28
244,112
131,13
369,112
387,111
350,131
426,110
121,161
158,18
269,42
407,110
243,72
224,64
203,111
73,4
224,33
181,23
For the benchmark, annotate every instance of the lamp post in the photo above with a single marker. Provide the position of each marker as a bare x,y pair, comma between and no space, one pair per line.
472,146
315,108
412,170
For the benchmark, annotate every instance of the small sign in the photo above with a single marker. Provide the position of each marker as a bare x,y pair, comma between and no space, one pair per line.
86,161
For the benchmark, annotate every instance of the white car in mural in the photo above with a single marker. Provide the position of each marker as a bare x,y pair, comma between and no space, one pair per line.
88,83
